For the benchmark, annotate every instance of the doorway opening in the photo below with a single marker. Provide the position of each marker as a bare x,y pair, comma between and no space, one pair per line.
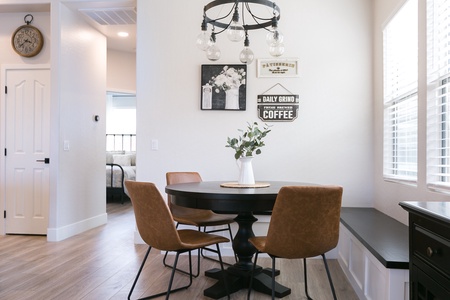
120,144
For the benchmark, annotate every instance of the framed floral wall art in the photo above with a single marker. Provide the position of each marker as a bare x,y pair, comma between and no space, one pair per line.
223,87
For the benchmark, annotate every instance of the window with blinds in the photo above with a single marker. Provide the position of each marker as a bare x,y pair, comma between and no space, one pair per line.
400,73
438,94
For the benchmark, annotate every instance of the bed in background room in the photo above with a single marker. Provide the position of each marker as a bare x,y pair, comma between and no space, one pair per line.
120,164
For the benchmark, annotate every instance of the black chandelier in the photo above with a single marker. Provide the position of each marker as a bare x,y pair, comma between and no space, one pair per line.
237,26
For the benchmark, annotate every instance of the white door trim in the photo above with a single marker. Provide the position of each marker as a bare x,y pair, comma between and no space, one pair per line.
4,68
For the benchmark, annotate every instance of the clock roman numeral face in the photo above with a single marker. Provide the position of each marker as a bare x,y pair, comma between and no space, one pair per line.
27,41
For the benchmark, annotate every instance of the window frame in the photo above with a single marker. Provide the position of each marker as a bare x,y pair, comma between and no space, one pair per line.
400,98
438,96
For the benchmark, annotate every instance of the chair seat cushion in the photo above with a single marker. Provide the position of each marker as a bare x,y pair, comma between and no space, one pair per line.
193,239
259,242
204,219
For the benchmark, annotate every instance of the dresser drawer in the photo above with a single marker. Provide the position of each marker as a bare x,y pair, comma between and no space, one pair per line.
425,286
432,248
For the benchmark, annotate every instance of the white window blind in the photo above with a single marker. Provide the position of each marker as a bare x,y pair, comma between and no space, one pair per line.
438,94
400,62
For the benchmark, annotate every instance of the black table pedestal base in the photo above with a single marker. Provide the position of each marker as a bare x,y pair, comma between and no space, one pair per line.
243,201
240,279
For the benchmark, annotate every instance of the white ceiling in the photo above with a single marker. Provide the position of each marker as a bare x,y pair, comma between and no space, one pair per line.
17,8
110,30
111,20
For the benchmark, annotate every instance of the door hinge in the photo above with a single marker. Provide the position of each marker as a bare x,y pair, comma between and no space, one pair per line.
4,214
6,89
5,151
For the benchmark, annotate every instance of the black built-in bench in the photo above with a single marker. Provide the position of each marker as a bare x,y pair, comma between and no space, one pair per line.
386,241
385,237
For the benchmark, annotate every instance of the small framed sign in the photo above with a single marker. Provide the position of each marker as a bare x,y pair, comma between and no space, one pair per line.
277,67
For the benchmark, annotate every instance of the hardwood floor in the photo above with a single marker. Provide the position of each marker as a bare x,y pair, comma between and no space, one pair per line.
102,264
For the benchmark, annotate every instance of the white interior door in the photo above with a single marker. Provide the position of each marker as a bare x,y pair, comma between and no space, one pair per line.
27,141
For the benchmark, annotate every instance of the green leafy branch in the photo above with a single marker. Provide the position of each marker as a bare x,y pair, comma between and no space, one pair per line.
250,141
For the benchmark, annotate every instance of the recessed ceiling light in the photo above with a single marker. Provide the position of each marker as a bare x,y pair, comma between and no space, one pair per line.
123,34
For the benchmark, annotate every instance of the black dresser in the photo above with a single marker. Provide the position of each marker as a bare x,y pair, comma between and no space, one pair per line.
429,249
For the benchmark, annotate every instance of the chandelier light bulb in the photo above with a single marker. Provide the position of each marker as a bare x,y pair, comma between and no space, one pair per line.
274,37
246,56
213,52
235,32
276,50
203,41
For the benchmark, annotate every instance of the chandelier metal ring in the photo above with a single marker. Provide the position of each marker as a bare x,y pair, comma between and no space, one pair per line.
228,19
246,26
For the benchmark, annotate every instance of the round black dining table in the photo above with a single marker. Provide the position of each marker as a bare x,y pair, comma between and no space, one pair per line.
244,202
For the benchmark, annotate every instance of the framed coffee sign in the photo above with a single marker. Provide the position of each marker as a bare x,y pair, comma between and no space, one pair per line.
278,107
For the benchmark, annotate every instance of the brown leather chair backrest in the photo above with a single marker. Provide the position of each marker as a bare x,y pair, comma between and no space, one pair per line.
153,218
184,177
305,221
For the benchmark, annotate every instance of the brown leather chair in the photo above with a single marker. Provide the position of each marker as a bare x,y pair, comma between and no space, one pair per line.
200,218
157,228
304,223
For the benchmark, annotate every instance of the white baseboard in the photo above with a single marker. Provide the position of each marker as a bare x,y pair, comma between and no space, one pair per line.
64,232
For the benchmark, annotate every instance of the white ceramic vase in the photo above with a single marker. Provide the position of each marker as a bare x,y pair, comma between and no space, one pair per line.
232,98
246,170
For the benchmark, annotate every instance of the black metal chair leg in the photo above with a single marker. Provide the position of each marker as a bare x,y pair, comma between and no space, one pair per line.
232,240
329,276
139,272
182,271
173,273
273,277
169,290
223,271
306,280
251,276
179,270
213,231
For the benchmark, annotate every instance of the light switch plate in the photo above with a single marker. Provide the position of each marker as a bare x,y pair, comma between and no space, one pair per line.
155,145
66,146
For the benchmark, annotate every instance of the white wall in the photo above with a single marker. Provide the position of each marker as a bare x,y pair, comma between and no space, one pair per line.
330,142
121,71
77,55
389,194
336,139
79,87
9,22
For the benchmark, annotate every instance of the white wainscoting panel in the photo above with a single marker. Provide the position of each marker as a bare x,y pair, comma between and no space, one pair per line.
368,277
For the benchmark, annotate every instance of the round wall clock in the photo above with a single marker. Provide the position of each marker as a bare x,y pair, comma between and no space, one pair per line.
27,40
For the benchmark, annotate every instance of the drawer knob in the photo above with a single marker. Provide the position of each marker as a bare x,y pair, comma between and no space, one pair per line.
430,252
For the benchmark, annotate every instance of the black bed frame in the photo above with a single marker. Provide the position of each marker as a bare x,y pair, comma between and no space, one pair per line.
111,191
118,142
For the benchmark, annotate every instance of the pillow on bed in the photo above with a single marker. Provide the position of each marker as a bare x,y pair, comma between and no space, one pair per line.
123,160
110,154
133,157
